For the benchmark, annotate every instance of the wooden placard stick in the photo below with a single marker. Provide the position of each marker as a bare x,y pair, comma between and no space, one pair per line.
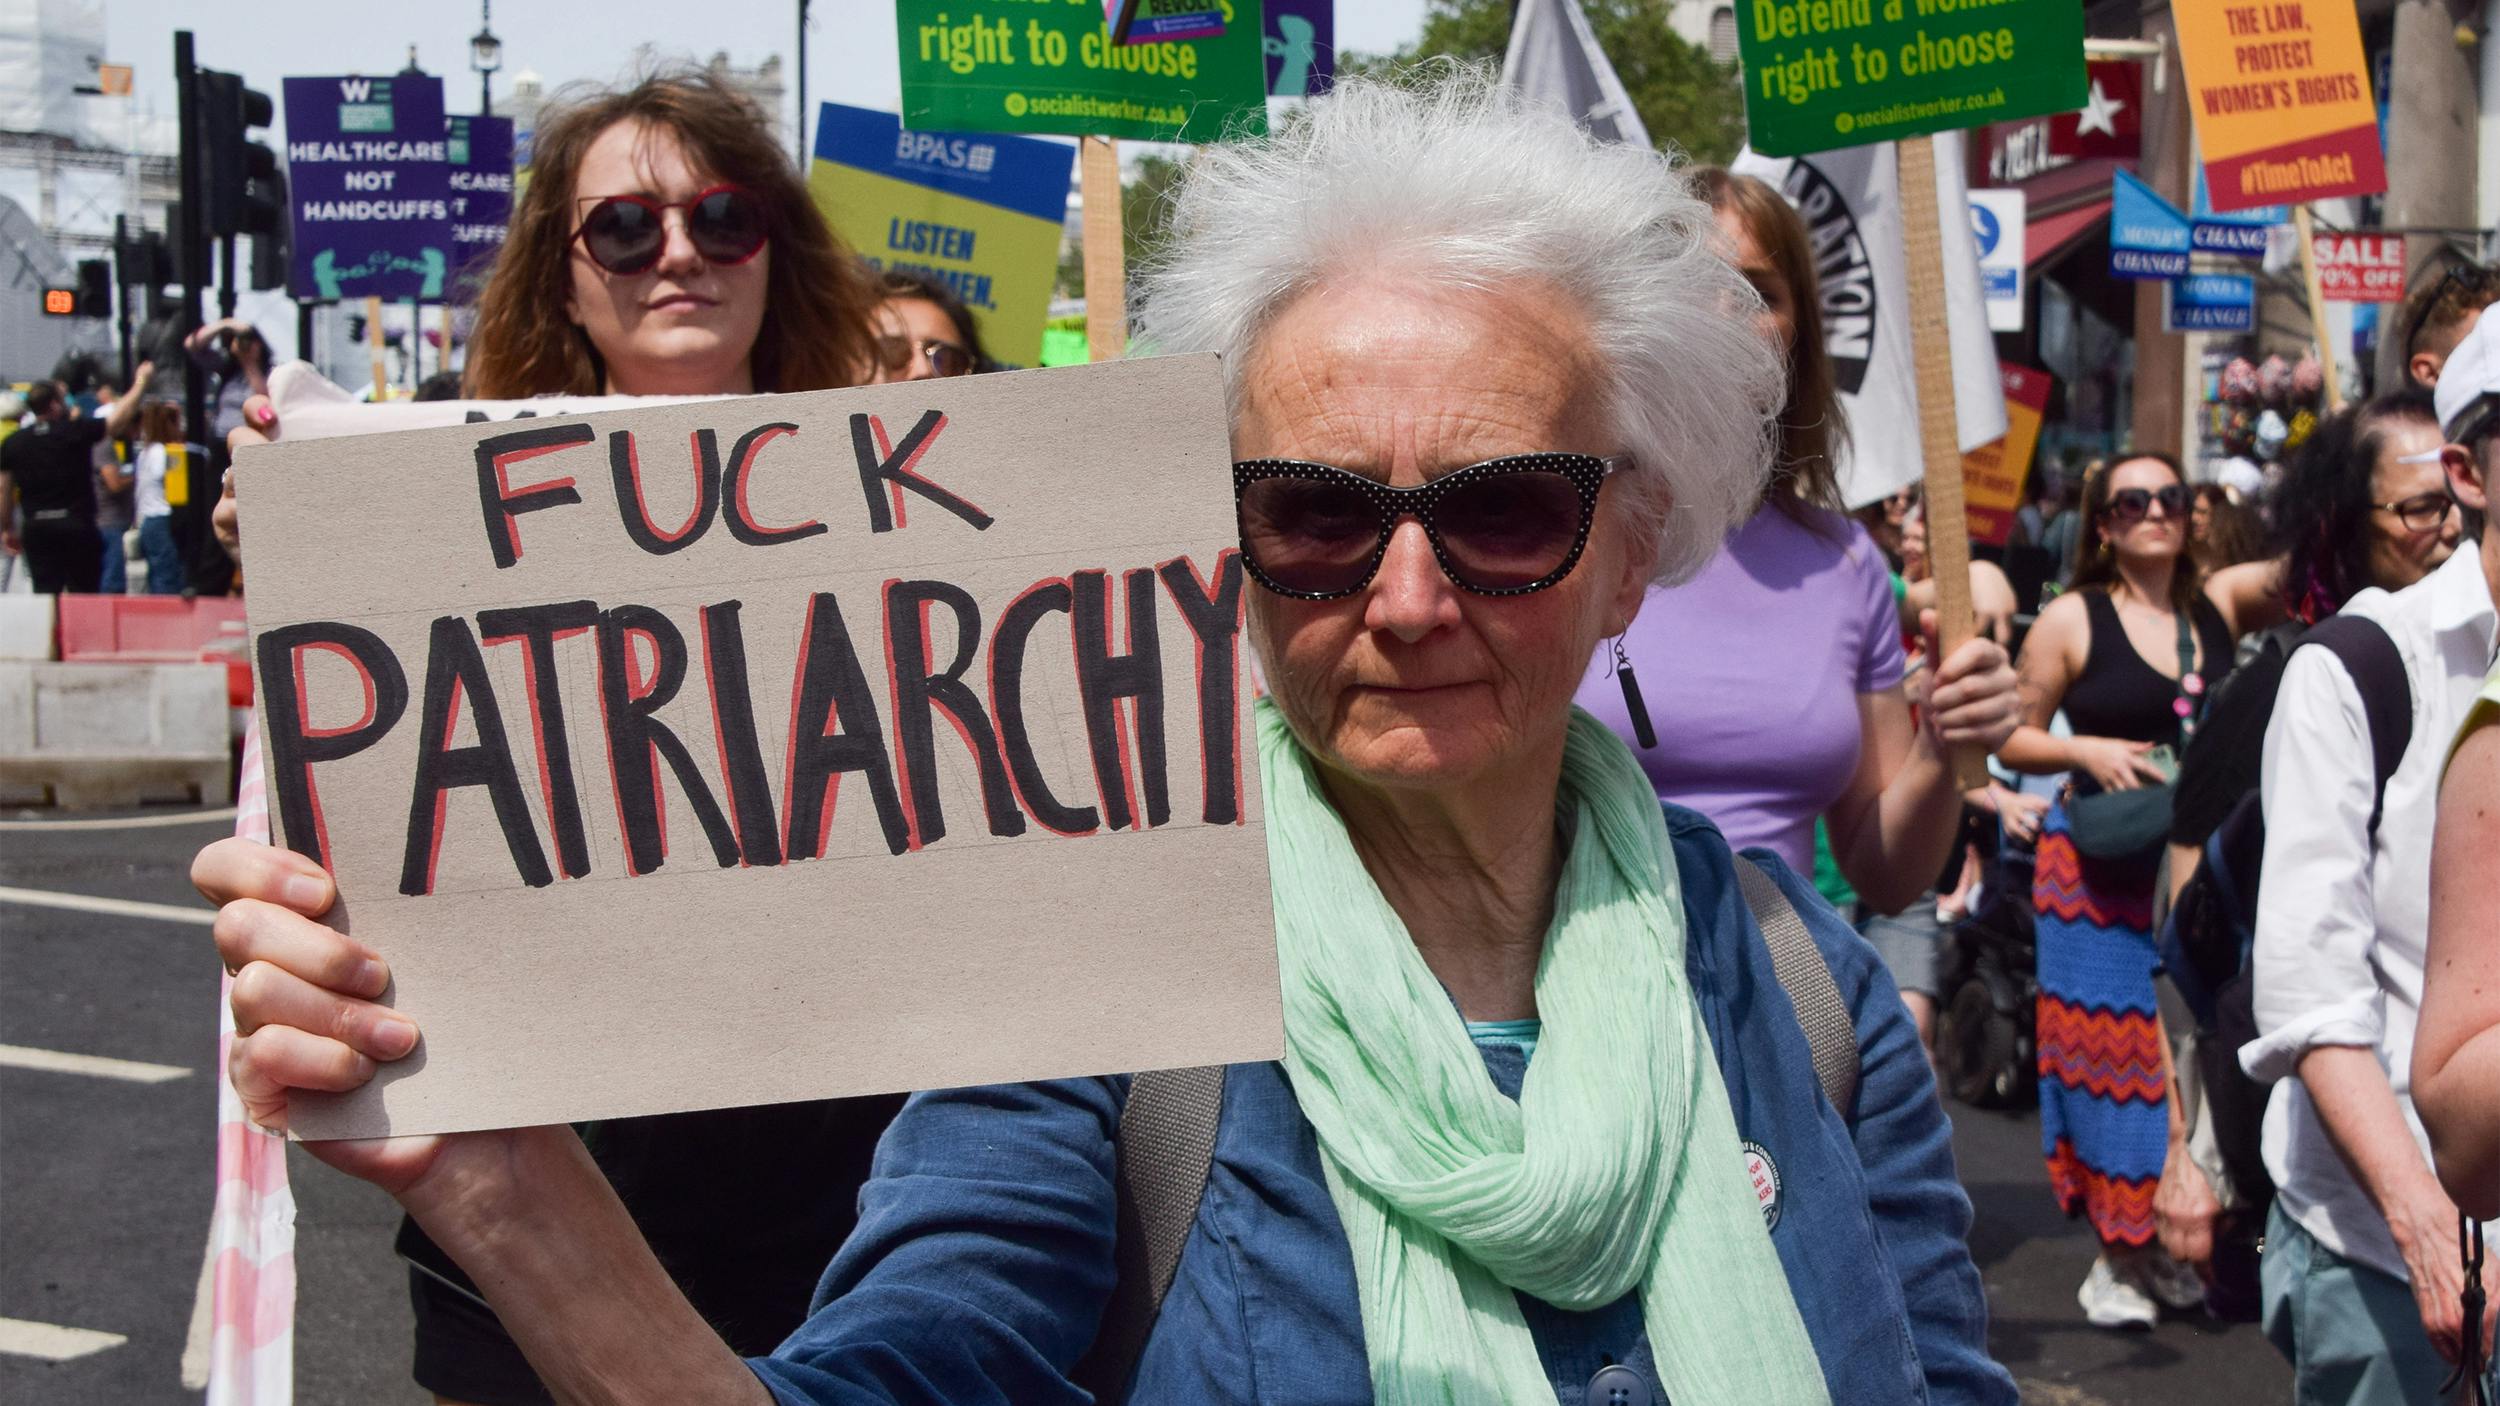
1948,531
1106,264
2317,309
373,337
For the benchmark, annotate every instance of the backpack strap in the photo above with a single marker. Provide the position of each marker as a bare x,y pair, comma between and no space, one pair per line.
2377,668
1167,1137
1166,1146
1807,979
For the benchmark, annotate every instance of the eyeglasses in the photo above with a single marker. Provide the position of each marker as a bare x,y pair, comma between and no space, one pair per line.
2468,278
2421,512
2136,504
1504,527
625,234
945,358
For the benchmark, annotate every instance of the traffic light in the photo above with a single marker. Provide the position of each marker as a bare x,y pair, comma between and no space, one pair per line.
265,217
60,302
95,288
232,162
145,260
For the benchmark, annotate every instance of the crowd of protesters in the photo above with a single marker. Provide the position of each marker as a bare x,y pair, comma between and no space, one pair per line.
2267,935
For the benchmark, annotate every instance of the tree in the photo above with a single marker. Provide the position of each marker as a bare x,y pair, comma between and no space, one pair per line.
1145,220
1685,98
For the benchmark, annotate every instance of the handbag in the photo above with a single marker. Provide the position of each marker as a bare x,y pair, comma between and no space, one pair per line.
2129,824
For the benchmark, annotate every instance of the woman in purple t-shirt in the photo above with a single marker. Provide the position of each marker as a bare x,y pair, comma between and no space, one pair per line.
1773,678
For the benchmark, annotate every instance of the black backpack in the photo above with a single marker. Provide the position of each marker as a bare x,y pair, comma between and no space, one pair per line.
2206,941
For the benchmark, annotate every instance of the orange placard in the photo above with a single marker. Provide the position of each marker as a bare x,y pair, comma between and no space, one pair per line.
1993,474
2281,95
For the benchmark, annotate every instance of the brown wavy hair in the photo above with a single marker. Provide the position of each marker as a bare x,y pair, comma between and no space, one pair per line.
2096,566
1812,427
818,297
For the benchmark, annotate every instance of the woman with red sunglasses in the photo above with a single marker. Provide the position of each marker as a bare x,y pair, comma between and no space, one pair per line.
665,245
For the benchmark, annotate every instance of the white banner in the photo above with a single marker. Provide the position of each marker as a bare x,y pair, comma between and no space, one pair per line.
1850,199
1553,57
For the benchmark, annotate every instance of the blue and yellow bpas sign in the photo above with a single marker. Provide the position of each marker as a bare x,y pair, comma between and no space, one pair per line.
977,211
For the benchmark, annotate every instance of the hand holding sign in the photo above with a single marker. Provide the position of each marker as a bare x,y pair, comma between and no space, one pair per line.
579,708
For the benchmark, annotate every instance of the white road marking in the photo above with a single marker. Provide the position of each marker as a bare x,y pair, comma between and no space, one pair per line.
124,822
51,1341
111,907
57,1062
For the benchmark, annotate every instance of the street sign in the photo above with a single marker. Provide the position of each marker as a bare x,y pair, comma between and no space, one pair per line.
2361,268
2210,302
1997,232
2148,237
1014,66
371,187
1821,74
480,152
2281,101
980,213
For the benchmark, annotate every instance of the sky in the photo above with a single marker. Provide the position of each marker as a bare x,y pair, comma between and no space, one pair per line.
851,55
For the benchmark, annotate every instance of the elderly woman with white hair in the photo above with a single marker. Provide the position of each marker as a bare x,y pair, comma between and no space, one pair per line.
1548,1126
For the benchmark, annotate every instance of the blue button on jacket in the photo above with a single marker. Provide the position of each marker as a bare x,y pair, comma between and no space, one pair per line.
983,1254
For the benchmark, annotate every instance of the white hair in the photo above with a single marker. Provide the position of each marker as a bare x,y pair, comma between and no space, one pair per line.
1449,178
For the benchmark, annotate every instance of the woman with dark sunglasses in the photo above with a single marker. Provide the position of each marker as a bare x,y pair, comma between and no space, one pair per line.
923,332
2129,653
1545,1128
665,245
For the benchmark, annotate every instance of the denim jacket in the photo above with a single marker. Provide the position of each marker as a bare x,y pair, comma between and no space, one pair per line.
983,1254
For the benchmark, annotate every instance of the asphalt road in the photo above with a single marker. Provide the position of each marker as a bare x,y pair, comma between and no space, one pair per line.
105,1181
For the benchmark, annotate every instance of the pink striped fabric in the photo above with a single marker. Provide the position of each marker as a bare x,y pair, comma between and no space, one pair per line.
252,1231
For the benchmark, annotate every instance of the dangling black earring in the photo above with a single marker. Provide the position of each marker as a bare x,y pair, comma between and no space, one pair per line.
1641,726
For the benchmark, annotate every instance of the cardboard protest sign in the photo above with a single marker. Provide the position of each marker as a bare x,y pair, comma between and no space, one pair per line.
1831,73
2281,99
1851,203
901,743
1993,474
2209,302
369,184
2148,237
479,150
2361,268
980,213
1018,66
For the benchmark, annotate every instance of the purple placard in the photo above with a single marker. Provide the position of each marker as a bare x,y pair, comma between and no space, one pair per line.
1301,43
369,186
481,198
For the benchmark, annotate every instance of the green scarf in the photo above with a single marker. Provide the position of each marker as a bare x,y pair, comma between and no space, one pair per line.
1617,1168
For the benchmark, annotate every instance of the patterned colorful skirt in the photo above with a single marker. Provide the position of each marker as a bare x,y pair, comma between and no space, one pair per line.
2104,1126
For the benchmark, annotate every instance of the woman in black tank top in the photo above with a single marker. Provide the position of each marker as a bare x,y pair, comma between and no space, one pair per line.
2107,654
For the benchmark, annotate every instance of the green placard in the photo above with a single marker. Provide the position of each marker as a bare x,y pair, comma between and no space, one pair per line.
1821,74
1050,66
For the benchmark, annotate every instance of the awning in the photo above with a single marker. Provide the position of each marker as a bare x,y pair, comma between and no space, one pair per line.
2049,236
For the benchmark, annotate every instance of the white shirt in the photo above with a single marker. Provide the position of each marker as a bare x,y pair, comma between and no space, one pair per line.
2342,922
150,473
